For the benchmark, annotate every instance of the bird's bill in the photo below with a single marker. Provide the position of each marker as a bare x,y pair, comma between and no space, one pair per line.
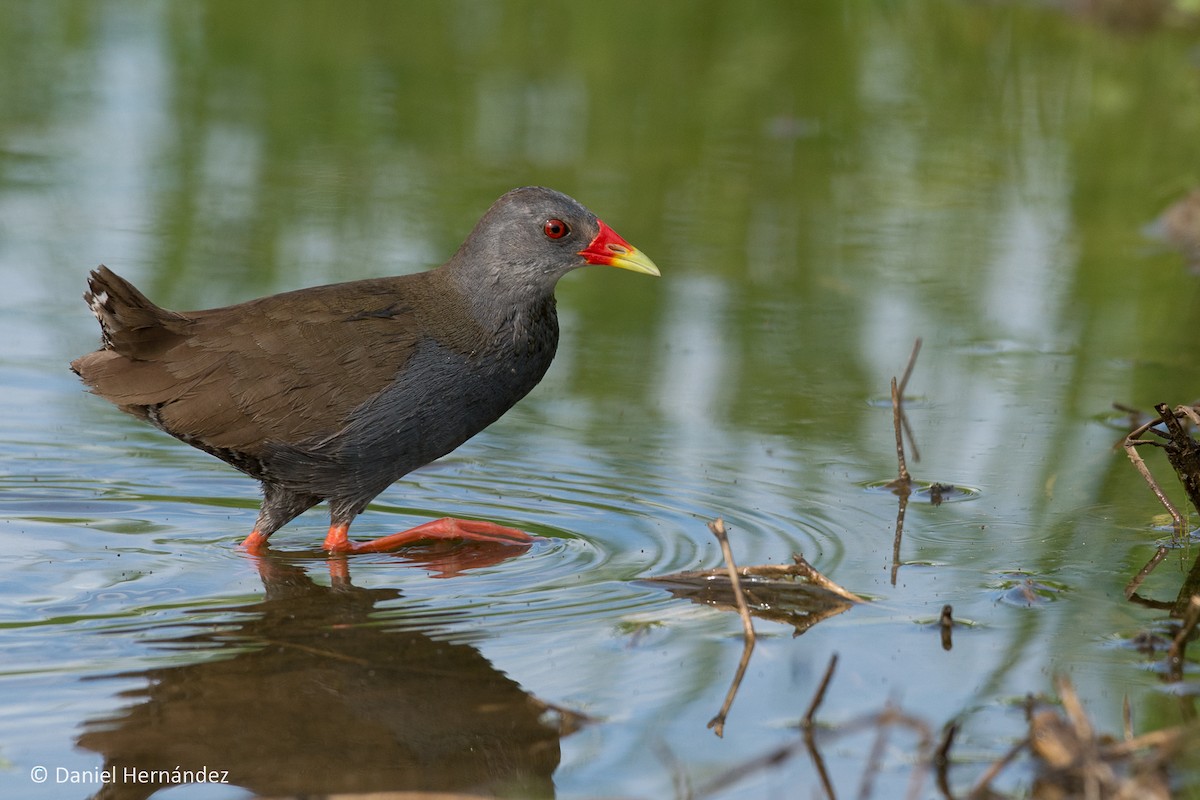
609,249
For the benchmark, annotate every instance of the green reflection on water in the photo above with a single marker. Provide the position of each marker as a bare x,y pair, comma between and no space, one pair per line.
820,183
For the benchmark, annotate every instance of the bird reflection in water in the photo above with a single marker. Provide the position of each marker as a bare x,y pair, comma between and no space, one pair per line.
308,693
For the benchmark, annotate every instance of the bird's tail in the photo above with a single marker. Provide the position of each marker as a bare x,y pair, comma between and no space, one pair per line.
128,319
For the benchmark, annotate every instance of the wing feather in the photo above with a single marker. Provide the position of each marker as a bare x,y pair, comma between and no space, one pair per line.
284,368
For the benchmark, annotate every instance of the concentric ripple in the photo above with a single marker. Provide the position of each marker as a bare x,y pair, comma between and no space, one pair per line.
934,493
155,539
606,522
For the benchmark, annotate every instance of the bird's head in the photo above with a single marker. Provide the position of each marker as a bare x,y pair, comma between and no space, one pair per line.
532,236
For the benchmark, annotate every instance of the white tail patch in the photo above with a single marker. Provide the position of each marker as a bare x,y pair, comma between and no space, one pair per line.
97,303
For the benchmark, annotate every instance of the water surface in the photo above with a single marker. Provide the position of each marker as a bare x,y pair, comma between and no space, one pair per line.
820,187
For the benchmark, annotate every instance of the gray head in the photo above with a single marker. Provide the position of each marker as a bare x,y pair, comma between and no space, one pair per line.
530,238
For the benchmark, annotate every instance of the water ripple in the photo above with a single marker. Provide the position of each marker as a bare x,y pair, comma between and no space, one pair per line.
139,528
601,533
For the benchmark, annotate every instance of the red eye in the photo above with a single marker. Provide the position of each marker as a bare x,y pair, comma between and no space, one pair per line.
556,228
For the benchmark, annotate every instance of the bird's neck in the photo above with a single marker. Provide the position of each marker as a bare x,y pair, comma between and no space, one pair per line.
521,318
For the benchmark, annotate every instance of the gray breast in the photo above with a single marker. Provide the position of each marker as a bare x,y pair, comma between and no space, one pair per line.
441,399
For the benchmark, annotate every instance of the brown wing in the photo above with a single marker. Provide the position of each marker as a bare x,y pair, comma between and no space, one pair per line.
282,368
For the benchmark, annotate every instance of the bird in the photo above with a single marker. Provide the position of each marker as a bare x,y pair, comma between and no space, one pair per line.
333,393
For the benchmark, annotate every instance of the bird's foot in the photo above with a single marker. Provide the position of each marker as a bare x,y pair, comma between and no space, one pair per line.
446,528
446,546
255,544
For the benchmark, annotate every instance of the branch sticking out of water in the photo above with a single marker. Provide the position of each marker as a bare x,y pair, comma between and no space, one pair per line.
717,526
717,723
1183,452
902,485
908,371
903,480
946,626
796,593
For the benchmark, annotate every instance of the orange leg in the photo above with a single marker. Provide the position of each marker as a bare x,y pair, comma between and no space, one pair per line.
255,543
338,540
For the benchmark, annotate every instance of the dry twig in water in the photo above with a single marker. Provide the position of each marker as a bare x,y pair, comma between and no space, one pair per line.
1183,452
1073,761
902,485
815,577
785,576
794,594
908,371
717,723
903,481
946,626
717,527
